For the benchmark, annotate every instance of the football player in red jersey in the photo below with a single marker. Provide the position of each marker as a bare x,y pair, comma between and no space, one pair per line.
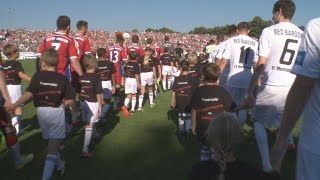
118,55
65,45
135,47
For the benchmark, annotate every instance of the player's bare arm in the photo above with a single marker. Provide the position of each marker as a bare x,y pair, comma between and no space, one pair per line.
23,76
194,120
295,103
22,100
75,63
222,64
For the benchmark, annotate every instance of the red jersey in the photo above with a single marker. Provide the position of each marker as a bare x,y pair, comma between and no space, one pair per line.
157,50
65,44
83,45
117,54
135,47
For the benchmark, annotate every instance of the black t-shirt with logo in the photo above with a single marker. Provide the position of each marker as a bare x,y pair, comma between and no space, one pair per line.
152,62
49,89
209,100
199,67
166,60
90,87
193,71
175,60
131,69
105,69
11,69
184,86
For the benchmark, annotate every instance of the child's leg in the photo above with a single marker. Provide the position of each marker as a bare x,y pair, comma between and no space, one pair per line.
170,81
262,141
181,123
150,95
127,100
16,120
87,137
53,158
164,82
141,96
133,102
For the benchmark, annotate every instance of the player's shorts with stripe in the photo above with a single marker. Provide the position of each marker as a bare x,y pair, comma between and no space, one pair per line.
308,165
89,111
52,122
166,70
15,92
269,105
131,86
107,89
146,78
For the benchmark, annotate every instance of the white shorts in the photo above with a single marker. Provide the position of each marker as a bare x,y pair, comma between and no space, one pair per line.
131,86
146,78
238,94
107,89
176,72
308,165
89,111
166,70
52,122
14,91
269,105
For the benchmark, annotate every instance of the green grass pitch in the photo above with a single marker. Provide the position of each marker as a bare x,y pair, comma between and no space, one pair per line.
142,147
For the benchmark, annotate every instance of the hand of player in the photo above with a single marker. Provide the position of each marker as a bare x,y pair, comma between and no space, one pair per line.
277,154
194,131
248,102
9,107
99,110
139,86
113,90
173,104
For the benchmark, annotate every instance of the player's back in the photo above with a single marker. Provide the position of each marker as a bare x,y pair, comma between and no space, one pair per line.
279,43
241,51
83,44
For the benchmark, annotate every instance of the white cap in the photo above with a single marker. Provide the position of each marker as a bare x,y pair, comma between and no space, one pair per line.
126,35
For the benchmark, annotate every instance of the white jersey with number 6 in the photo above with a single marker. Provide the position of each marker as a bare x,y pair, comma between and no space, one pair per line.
242,52
279,43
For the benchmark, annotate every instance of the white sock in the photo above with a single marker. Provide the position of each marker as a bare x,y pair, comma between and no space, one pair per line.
105,109
242,117
133,103
15,123
164,84
140,100
262,141
188,121
59,162
181,123
49,166
87,139
151,98
15,151
169,83
127,101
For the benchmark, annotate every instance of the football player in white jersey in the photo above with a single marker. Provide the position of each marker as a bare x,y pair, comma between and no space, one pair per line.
215,50
303,98
278,47
232,31
241,52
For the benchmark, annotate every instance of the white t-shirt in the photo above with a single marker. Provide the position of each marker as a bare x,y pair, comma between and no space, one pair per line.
213,53
308,64
279,43
226,70
241,51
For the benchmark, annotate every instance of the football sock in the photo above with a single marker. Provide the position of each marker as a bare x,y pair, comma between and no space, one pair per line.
151,98
14,122
164,85
87,139
262,141
19,127
133,103
169,83
140,100
49,166
127,101
181,122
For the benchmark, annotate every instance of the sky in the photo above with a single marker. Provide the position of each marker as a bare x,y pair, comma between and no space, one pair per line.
126,15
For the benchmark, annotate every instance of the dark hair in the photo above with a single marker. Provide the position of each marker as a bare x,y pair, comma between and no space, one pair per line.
133,55
50,57
119,39
10,49
211,72
232,29
101,52
166,38
63,22
135,38
149,41
287,8
81,24
243,26
185,65
220,38
89,61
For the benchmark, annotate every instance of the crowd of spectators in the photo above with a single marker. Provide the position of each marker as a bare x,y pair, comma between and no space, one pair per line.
28,40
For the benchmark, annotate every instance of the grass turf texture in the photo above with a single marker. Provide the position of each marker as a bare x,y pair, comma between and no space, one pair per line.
143,146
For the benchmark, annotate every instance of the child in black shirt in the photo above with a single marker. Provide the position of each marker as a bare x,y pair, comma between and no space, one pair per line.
91,100
183,89
208,101
48,90
14,73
